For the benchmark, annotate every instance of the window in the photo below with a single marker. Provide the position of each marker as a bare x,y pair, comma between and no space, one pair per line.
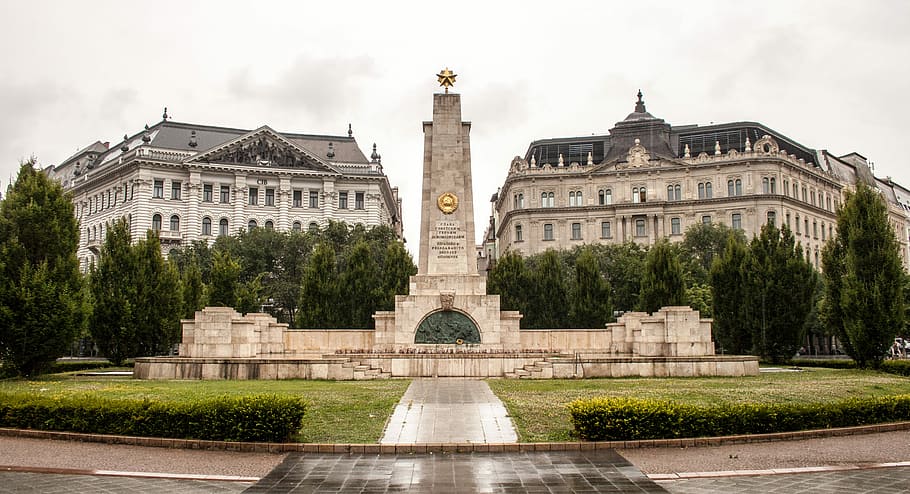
158,190
786,186
175,190
207,193
605,230
206,226
547,200
814,229
765,185
639,194
805,194
701,190
223,227
605,197
670,194
705,220
254,196
787,217
314,199
639,228
772,218
175,223
773,185
795,190
251,225
518,234
269,225
797,224
575,198
132,191
156,222
342,200
830,231
576,231
296,226
730,188
823,231
806,223
812,197
313,226
269,197
521,201
737,221
828,202
675,228
225,194
548,231
358,200
739,187
298,198
709,193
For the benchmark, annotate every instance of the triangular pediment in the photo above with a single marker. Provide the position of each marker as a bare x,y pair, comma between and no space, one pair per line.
264,147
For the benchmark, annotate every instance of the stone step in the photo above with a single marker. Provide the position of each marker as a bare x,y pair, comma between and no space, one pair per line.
361,368
349,364
522,372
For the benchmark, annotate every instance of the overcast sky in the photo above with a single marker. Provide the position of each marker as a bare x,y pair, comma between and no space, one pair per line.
828,74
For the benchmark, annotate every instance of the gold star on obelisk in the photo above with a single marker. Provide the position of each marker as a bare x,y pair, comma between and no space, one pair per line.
446,78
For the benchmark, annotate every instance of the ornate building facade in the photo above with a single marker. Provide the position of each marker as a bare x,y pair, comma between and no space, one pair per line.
648,180
195,182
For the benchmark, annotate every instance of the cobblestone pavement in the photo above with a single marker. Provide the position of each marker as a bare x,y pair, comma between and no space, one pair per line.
879,481
552,472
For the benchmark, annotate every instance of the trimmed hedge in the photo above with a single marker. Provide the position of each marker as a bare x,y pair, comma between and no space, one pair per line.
615,418
264,417
840,363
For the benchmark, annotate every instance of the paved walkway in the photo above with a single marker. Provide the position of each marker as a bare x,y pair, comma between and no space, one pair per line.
449,411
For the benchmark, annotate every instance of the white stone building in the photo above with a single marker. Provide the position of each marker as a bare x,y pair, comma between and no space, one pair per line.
648,180
196,182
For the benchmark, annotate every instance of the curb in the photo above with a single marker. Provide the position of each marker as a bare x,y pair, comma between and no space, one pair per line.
411,448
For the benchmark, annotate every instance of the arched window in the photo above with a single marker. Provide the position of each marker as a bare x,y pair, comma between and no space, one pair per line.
313,226
518,235
551,202
521,201
739,187
643,194
708,192
678,190
156,222
701,190
670,193
608,196
251,225
269,225
765,185
543,199
206,226
223,227
601,197
635,194
296,226
730,189
772,218
175,223
773,185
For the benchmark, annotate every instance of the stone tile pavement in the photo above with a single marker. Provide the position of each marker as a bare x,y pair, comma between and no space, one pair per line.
449,411
51,483
878,481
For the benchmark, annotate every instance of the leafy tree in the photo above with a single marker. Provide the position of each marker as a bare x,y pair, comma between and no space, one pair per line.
864,278
397,271
780,292
701,245
41,305
509,280
159,303
662,280
114,286
699,297
728,297
547,302
590,305
622,266
319,294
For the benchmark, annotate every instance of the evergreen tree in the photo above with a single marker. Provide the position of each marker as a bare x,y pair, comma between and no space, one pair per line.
225,276
780,292
547,301
396,274
41,296
728,298
622,266
702,243
193,290
509,280
319,294
114,286
159,303
361,289
662,280
590,305
864,278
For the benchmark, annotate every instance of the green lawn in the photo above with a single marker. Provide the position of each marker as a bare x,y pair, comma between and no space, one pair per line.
537,407
338,412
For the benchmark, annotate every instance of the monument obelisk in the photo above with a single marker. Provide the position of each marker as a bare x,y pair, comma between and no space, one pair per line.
447,303
447,212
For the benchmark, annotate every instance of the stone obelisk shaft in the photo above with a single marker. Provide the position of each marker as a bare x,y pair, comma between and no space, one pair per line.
447,234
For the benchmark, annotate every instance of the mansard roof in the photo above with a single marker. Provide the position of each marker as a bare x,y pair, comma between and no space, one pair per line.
661,139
